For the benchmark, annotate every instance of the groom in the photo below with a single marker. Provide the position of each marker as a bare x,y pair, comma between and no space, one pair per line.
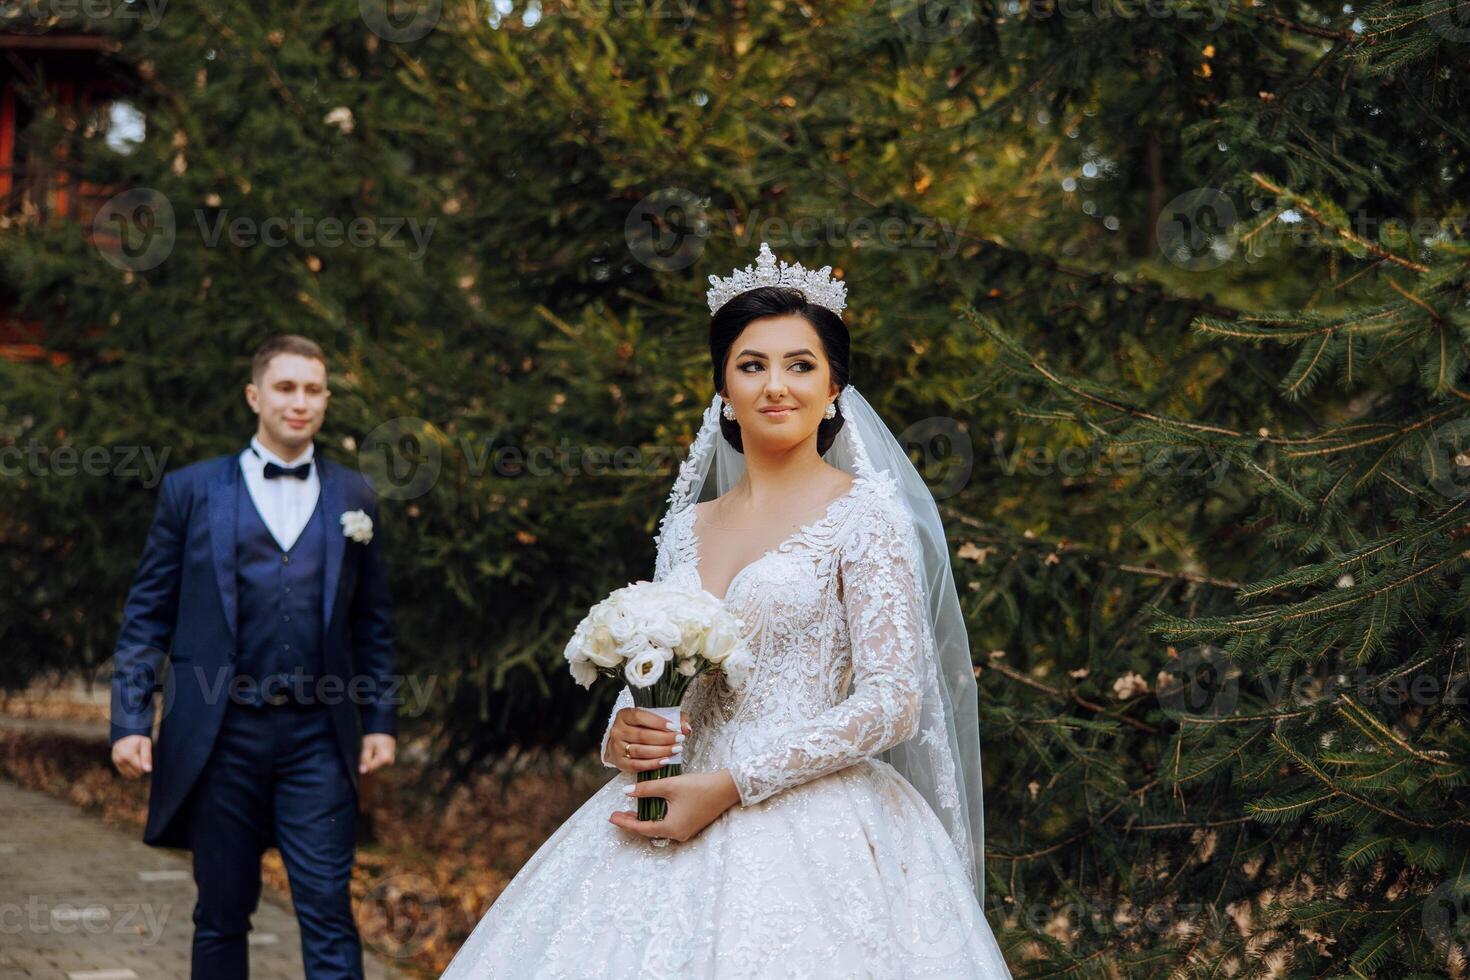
264,584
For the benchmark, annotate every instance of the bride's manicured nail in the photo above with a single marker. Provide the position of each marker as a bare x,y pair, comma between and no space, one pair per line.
670,760
628,790
671,726
678,739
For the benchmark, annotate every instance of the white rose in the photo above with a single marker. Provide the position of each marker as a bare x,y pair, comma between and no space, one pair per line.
645,668
583,672
357,526
738,665
694,621
576,648
607,656
688,666
601,649
620,623
721,639
662,630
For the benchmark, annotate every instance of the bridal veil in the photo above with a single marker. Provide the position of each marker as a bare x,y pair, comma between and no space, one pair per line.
942,759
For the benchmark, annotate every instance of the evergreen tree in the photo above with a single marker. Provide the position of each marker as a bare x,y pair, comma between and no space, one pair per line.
1277,785
1198,571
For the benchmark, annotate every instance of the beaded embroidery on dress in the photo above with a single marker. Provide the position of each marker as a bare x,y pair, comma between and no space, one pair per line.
833,865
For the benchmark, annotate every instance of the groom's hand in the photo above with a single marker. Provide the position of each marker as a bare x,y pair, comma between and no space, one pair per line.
377,750
133,755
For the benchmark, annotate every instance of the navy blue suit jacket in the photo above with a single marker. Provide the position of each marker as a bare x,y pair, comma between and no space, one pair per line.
182,607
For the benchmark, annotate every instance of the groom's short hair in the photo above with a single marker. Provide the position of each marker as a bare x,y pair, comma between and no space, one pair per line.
286,343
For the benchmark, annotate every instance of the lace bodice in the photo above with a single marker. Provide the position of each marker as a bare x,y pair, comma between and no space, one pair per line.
833,616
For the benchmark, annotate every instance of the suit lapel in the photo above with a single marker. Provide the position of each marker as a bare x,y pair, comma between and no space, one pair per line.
223,511
336,542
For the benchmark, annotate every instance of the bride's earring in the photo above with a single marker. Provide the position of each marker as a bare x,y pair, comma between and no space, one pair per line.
728,412
831,412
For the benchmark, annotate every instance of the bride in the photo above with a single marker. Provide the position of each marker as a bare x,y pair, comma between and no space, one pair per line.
813,832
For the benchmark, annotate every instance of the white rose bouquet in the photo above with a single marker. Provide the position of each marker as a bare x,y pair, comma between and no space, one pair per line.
658,637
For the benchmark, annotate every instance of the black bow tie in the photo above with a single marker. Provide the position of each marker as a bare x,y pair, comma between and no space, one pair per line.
273,470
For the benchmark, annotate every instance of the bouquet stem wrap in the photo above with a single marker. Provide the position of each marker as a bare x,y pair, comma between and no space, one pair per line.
663,699
658,637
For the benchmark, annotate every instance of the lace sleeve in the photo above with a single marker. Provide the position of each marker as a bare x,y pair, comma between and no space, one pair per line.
625,700
884,606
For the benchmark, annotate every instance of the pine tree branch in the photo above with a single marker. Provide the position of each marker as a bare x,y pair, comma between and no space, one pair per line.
1427,421
1059,845
1415,299
1080,392
1278,331
1370,37
1039,260
1031,682
1308,608
1186,825
1366,722
1336,790
1057,547
1072,388
1301,205
1291,25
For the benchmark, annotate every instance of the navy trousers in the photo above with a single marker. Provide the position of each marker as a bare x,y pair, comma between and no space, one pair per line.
274,776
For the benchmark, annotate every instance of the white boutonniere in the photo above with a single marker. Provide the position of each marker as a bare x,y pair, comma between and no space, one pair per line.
357,526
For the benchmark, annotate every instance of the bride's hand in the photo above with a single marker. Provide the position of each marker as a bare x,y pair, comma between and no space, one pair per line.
695,800
640,741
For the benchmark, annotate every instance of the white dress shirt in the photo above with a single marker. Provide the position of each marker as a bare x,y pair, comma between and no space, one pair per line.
285,503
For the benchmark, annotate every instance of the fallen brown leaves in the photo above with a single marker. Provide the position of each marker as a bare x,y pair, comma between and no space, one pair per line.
438,857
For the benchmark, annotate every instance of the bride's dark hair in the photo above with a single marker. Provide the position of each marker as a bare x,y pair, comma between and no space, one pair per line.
764,301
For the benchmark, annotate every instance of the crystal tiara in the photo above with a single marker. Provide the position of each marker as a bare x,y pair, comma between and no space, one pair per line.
819,287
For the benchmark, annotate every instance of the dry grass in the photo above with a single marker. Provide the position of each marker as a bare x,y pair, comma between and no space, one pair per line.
67,701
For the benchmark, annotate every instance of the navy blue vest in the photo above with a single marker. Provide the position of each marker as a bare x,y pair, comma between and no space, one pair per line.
280,607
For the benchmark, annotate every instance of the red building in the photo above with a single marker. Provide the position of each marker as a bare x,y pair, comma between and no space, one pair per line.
75,76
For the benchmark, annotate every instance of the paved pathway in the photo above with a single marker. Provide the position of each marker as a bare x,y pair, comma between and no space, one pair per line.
82,900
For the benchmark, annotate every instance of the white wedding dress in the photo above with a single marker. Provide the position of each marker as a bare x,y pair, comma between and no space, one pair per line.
832,865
